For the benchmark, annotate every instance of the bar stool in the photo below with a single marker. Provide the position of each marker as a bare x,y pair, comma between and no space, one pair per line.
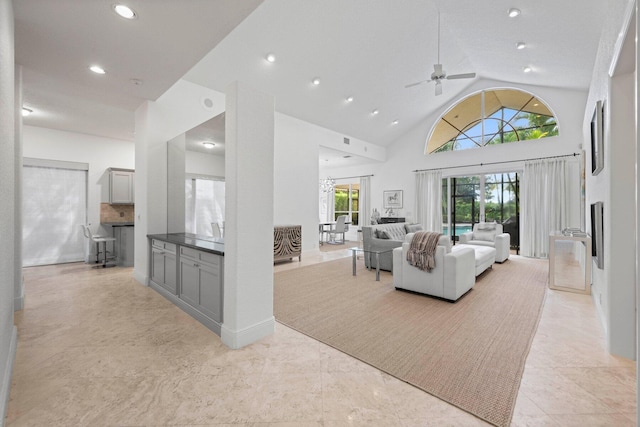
97,239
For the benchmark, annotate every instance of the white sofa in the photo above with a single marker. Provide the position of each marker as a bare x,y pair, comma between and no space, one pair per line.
489,234
452,276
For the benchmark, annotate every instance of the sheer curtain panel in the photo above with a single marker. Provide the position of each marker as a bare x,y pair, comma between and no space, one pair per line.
364,214
429,200
545,204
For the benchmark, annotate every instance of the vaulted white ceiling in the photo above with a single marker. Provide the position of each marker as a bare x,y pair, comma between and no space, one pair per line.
368,49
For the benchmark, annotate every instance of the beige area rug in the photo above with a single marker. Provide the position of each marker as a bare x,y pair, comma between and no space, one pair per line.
470,354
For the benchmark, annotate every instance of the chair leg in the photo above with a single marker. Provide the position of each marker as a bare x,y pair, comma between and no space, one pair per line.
97,253
104,259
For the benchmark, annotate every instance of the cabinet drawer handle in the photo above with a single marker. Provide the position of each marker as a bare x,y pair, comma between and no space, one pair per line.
196,264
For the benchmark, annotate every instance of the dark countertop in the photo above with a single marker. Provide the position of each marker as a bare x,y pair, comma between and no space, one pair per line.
118,224
195,241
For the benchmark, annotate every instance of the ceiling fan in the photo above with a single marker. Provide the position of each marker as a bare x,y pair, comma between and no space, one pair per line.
438,72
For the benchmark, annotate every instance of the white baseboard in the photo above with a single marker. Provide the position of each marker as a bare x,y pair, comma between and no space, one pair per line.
18,303
140,278
5,387
243,337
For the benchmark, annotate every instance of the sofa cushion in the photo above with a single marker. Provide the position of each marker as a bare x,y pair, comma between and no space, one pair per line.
412,228
487,243
382,234
446,242
487,225
393,232
486,235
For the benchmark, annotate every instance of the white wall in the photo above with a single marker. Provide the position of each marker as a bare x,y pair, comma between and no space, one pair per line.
296,176
198,163
100,153
8,222
614,287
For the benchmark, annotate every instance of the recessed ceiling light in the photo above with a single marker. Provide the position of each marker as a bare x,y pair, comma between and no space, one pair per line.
270,57
526,69
513,12
124,11
395,122
350,99
97,69
374,112
26,111
208,144
521,45
316,81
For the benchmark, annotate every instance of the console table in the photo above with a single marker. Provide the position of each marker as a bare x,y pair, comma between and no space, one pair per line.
287,242
390,219
570,262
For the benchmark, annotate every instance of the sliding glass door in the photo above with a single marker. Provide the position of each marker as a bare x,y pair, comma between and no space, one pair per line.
468,200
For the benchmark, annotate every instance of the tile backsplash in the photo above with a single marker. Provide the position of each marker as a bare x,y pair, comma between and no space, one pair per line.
116,213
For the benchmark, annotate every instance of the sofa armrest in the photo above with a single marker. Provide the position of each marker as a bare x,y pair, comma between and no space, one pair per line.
466,237
397,267
459,273
503,245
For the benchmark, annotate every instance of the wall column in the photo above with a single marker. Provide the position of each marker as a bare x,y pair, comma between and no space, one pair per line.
248,264
8,332
18,295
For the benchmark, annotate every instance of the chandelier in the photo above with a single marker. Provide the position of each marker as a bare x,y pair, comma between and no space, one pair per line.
327,185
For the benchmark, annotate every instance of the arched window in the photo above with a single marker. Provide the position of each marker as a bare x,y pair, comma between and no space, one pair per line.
490,117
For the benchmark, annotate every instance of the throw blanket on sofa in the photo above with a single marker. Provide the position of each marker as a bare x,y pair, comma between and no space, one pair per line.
422,249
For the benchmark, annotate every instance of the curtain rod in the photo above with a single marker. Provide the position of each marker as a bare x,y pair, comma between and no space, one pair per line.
497,163
349,177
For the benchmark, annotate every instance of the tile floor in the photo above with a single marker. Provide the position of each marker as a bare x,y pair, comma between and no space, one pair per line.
98,349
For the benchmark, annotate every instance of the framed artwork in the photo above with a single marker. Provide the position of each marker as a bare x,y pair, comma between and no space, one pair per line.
392,199
597,234
597,139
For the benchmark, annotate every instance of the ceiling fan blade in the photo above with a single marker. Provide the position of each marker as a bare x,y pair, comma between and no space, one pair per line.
438,88
416,83
461,76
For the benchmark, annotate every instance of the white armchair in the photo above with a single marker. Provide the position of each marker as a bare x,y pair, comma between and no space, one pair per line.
452,276
489,234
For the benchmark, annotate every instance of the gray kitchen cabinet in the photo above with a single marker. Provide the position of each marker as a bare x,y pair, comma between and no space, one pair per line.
121,186
164,266
201,278
189,281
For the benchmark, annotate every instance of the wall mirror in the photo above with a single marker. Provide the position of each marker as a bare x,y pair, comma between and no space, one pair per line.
195,170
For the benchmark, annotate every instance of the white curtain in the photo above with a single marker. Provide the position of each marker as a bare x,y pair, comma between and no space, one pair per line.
545,204
364,207
331,206
54,208
429,200
204,205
